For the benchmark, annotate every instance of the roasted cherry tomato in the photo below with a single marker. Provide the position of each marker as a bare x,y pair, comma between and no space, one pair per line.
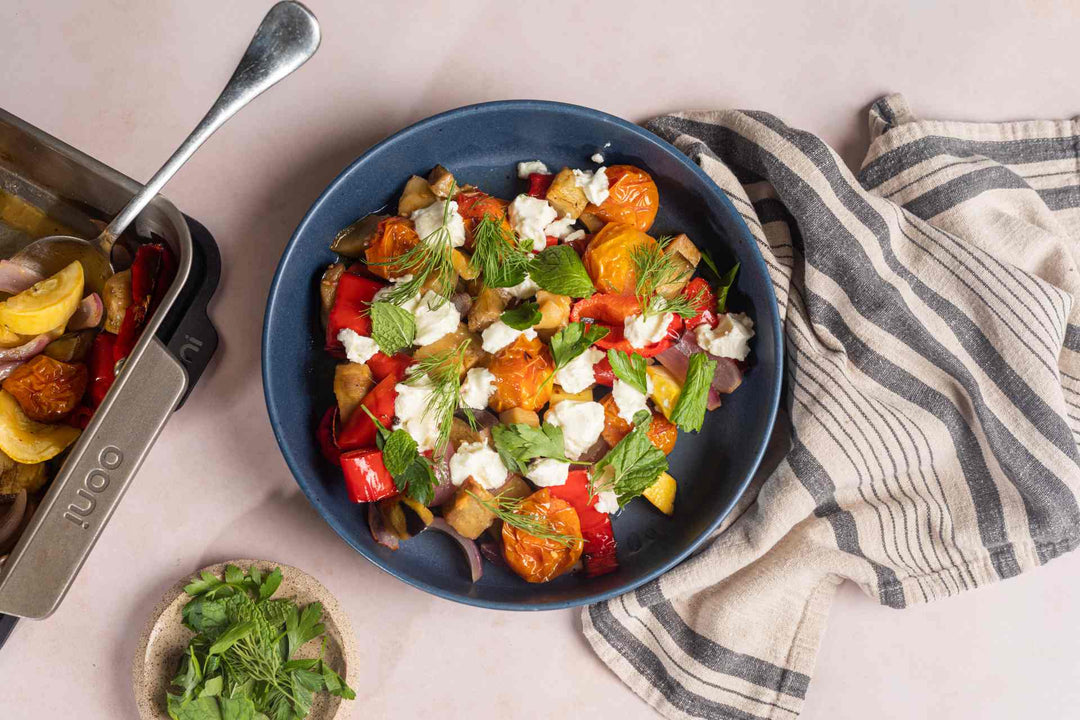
473,205
393,238
662,432
538,559
706,304
350,309
47,389
599,552
632,198
523,375
539,184
366,477
611,311
608,258
360,431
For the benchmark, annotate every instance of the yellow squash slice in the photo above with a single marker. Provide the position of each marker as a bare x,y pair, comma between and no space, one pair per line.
662,494
666,389
27,441
45,306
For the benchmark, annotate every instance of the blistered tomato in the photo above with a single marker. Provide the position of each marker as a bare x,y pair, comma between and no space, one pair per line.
473,205
632,198
662,432
523,375
538,559
705,305
394,237
609,257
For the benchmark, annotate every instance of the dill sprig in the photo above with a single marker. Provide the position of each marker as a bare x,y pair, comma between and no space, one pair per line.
654,270
443,371
509,510
497,254
431,258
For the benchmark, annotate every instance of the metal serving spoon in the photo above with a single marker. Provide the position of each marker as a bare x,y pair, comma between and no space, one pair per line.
286,38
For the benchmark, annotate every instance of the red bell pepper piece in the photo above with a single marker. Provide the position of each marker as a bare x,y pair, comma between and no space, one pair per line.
581,244
102,368
551,240
539,184
354,294
360,430
706,305
611,310
596,528
383,365
79,417
146,275
602,372
366,478
326,436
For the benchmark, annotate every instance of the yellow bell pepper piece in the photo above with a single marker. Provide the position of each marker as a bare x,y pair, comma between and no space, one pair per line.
662,493
666,389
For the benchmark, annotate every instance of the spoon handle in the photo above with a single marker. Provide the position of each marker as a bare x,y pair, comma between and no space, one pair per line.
286,38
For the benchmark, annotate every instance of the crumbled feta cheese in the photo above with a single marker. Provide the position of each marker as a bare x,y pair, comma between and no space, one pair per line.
477,461
435,316
643,331
629,399
577,375
729,339
607,502
411,408
582,421
389,288
529,216
524,289
576,235
548,472
430,219
358,348
593,184
528,167
597,158
498,335
477,389
561,227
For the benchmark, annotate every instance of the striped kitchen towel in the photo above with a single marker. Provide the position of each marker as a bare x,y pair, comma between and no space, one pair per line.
932,395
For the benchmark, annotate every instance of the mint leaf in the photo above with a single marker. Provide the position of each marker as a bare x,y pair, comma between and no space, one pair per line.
209,617
399,450
420,481
630,368
392,328
689,411
517,444
635,461
706,257
523,317
573,340
559,270
724,286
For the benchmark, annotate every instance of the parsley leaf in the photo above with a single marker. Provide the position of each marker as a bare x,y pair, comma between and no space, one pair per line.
689,412
559,270
723,287
523,317
392,328
573,340
519,443
635,463
630,368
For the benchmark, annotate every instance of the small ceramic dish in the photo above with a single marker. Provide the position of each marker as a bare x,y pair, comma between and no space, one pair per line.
165,638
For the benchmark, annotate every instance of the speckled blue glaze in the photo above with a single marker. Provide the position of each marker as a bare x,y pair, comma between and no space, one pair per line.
481,144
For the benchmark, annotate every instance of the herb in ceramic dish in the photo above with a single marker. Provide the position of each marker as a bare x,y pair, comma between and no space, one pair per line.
240,665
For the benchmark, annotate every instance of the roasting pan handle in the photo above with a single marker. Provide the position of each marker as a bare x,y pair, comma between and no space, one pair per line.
38,574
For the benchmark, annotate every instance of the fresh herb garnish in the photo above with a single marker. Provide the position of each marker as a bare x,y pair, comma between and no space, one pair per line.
706,257
559,270
413,473
689,411
509,510
238,666
635,464
443,371
517,444
723,287
573,340
392,328
654,270
430,259
523,317
630,368
497,255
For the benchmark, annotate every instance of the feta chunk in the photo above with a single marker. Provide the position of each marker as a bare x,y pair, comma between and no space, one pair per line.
547,472
498,335
729,339
597,158
477,389
524,289
643,331
581,421
529,216
577,375
435,316
477,461
607,502
528,167
629,399
411,408
576,235
593,184
358,348
560,228
428,220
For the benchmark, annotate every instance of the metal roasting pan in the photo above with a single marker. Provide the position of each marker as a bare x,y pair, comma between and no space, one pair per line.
47,186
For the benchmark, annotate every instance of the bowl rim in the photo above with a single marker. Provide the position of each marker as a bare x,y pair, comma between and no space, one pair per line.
773,401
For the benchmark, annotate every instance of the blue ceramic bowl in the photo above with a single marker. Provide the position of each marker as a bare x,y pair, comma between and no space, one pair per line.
481,145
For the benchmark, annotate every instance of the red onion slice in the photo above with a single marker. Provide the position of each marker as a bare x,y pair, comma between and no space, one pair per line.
379,531
462,303
489,549
6,368
445,489
472,553
88,314
24,352
726,379
14,278
10,521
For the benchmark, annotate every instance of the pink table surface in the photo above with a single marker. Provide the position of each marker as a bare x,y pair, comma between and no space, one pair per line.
125,80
